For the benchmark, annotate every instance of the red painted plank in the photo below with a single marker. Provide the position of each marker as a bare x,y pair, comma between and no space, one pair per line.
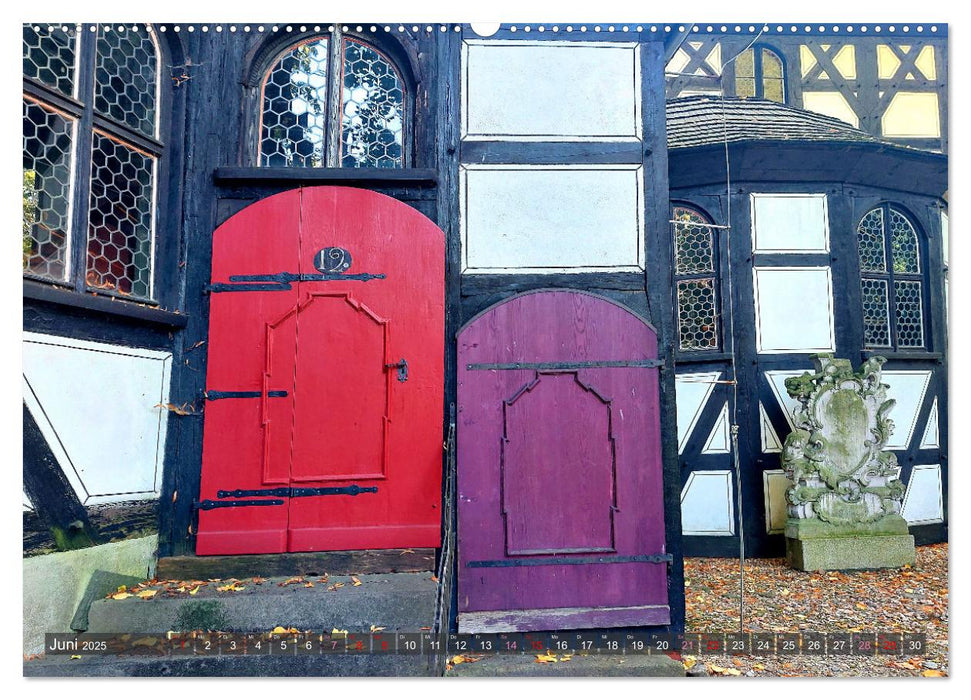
327,343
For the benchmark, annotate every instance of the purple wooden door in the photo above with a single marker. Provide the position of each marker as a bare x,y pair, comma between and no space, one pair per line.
560,511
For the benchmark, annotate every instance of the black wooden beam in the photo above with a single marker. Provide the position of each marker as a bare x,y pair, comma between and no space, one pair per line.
114,306
423,177
50,493
548,152
489,284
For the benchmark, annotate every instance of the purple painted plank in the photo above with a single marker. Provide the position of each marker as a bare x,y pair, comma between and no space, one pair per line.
552,458
556,456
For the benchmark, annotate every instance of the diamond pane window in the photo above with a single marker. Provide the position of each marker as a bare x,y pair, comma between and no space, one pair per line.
692,243
323,108
48,157
126,77
893,304
50,55
91,158
371,111
696,281
759,72
697,324
909,311
870,240
903,242
876,319
120,225
295,107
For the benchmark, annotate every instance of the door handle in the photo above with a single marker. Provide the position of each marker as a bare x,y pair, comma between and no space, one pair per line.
402,369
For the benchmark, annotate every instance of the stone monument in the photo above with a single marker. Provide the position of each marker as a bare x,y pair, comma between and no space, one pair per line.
845,499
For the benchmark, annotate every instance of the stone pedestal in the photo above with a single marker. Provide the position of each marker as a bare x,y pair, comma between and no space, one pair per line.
812,545
845,501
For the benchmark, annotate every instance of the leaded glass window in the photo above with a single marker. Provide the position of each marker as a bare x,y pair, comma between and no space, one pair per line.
50,54
324,107
117,171
48,153
126,77
892,281
695,271
759,72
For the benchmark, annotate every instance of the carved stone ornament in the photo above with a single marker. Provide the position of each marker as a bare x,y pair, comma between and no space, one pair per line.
835,457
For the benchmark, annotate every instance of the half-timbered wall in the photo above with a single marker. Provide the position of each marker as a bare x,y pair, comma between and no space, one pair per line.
561,179
102,292
888,80
795,290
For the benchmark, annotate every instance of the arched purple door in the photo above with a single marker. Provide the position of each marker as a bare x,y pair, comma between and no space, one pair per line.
560,509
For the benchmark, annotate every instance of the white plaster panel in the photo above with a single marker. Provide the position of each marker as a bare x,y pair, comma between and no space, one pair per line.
790,223
706,504
96,405
931,440
924,502
775,483
516,90
551,219
793,310
719,441
777,381
691,393
907,388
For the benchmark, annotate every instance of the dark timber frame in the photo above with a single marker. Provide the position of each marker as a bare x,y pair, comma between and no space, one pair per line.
909,180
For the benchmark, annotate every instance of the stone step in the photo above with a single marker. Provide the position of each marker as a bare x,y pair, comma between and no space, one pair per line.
269,666
372,561
525,665
404,602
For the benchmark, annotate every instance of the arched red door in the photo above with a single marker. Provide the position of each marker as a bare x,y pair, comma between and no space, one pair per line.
325,380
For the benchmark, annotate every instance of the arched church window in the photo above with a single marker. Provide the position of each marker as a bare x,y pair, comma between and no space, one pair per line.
696,280
332,101
892,280
760,73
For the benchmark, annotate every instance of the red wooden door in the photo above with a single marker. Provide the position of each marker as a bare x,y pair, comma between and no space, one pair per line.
560,502
323,421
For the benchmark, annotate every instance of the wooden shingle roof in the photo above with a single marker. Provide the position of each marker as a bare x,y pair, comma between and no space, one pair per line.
709,120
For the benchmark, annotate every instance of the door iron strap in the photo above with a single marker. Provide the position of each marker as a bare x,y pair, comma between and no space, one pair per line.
565,365
209,505
213,395
298,492
281,281
553,561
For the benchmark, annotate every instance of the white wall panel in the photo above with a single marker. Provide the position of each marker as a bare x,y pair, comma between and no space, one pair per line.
719,439
775,483
96,406
551,219
706,504
907,388
790,223
691,393
555,91
931,440
924,502
794,310
777,381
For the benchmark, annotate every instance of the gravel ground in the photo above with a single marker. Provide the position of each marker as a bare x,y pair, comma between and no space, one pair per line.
779,599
